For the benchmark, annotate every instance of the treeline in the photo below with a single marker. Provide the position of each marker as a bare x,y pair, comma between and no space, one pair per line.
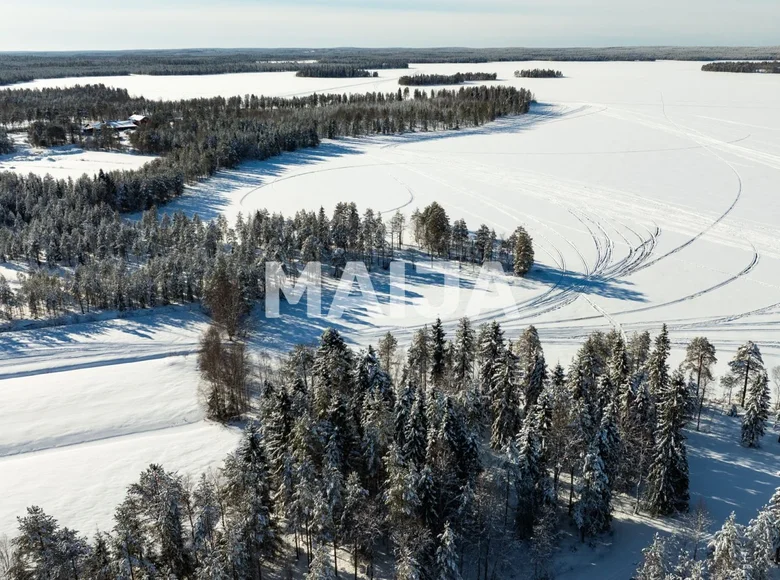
16,68
743,67
539,73
198,137
120,264
454,79
333,71
456,456
26,67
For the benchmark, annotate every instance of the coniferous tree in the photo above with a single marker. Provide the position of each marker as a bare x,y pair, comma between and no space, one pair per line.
463,356
593,510
523,252
727,559
746,364
658,366
668,478
756,411
438,354
447,556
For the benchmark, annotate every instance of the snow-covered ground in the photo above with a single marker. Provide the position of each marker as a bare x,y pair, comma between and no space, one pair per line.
67,161
86,407
650,190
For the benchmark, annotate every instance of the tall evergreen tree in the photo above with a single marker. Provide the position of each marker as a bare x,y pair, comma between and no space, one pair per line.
746,364
756,411
668,478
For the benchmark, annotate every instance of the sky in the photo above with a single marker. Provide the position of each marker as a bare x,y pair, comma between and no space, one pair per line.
115,24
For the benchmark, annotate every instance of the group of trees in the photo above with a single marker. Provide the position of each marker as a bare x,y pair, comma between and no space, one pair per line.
16,68
735,551
453,454
743,67
111,263
454,79
333,71
6,145
20,67
539,73
433,231
198,137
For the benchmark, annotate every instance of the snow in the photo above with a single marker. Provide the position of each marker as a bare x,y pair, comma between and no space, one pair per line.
649,190
86,407
67,161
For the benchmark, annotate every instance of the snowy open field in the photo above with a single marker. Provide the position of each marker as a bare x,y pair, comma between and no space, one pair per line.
67,161
650,190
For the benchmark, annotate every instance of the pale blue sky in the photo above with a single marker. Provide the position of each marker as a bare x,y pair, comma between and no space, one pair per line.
112,24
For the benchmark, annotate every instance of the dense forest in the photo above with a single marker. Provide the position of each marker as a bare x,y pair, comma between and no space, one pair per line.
16,68
198,137
539,73
21,67
743,67
464,452
112,263
455,459
454,79
333,71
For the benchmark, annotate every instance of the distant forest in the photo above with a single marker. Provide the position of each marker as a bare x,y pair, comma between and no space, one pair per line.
743,67
44,219
539,73
456,79
323,70
22,67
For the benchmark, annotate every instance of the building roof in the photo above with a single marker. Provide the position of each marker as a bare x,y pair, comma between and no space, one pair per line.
138,118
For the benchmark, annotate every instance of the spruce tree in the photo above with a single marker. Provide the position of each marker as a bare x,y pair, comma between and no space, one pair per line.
756,411
658,366
438,354
727,560
505,405
463,356
593,510
447,556
667,486
523,252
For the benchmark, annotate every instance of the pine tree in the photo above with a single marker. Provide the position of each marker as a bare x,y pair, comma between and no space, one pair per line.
756,411
387,348
668,478
746,364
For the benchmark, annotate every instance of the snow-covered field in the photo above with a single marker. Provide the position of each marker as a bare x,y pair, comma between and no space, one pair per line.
650,190
67,161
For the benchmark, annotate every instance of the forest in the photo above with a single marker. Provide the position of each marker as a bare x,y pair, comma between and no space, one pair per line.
454,79
22,67
446,461
111,263
195,139
322,70
743,67
17,68
539,73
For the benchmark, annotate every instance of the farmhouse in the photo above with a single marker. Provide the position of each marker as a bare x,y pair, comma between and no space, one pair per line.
132,123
